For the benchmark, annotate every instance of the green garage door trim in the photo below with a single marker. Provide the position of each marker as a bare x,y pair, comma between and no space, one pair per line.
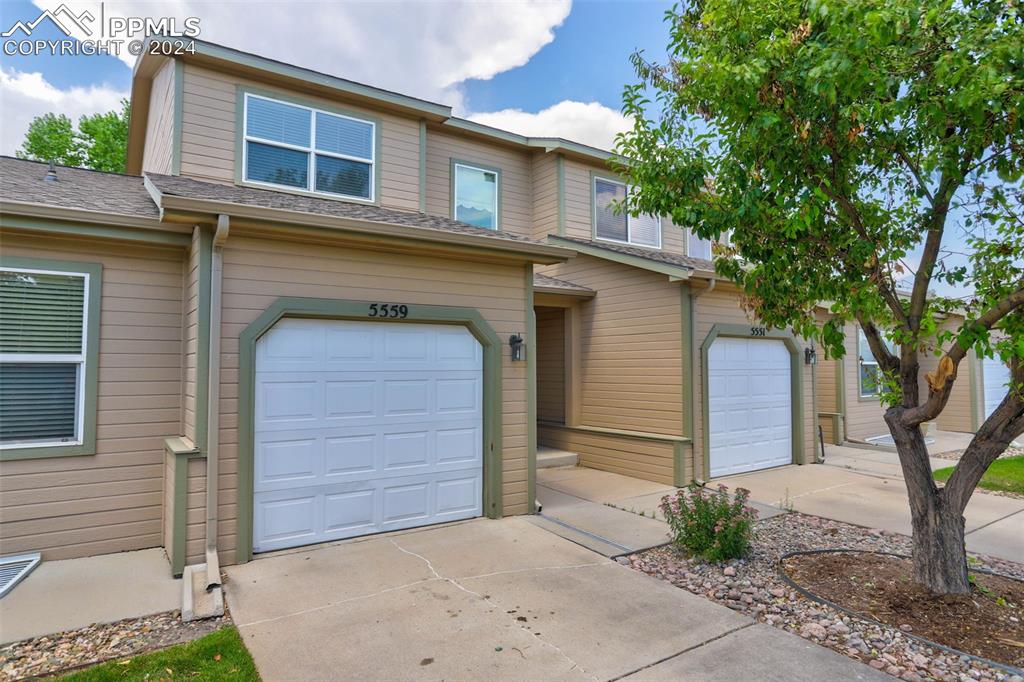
740,331
92,358
334,309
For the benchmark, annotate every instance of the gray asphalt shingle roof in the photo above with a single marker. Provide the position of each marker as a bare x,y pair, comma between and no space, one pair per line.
249,196
649,254
76,188
547,282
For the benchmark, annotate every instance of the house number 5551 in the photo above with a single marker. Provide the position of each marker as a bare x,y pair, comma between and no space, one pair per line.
757,331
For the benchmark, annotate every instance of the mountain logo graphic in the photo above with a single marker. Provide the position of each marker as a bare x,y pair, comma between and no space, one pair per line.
62,17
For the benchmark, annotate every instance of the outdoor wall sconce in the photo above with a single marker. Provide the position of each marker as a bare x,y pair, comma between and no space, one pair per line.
515,342
810,356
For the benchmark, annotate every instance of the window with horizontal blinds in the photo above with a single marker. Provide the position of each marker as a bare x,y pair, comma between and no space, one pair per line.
42,356
291,145
611,223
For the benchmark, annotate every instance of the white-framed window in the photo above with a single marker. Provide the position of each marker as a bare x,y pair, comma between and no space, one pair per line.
475,193
43,347
697,247
870,375
612,226
299,147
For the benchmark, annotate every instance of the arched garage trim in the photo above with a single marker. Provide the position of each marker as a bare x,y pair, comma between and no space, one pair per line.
796,368
335,309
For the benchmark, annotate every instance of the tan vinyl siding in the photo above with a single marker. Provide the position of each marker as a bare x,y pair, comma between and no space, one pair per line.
551,364
721,306
112,501
958,415
825,374
257,271
545,195
156,155
208,135
631,347
636,457
515,182
864,416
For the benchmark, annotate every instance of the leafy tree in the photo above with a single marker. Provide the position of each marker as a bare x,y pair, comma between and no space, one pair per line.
837,139
100,142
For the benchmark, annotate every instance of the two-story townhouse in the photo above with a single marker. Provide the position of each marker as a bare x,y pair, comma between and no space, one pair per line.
353,312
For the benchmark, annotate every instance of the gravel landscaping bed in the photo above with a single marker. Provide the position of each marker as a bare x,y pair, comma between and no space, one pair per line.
955,455
754,586
63,651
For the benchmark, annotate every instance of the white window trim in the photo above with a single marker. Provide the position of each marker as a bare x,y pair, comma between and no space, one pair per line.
497,189
79,359
311,151
861,362
629,218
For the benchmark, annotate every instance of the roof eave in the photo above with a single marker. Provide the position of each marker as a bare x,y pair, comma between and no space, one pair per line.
537,253
673,272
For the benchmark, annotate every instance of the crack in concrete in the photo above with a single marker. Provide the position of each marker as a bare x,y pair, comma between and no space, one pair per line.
684,651
1001,518
488,600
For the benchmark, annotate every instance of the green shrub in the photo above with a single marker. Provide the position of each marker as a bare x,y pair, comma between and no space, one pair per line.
712,525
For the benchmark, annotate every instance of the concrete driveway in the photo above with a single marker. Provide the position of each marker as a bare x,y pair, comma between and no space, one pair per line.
497,600
866,488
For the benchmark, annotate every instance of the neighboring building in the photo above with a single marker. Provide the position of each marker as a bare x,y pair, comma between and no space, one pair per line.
312,292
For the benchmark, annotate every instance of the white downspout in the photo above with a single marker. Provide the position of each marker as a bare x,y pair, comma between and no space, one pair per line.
213,404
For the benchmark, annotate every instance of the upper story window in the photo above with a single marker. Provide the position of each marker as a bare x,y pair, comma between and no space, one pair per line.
870,377
475,195
43,322
641,230
288,145
696,247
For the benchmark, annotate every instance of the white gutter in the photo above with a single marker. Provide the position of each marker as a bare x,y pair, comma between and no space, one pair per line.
213,404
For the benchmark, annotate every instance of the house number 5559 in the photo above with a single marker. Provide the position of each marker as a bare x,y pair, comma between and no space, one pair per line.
392,310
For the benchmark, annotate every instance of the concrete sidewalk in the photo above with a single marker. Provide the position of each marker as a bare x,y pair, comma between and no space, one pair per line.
497,600
74,593
607,513
868,490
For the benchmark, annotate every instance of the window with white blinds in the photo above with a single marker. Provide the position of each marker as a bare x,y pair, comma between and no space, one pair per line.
289,145
614,225
42,356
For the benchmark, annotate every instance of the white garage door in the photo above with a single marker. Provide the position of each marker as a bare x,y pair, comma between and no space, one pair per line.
749,405
996,376
363,427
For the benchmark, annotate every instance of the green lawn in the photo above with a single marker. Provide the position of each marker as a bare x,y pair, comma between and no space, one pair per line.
1004,474
217,656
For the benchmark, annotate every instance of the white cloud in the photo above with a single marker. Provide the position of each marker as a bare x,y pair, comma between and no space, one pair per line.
422,48
587,122
25,95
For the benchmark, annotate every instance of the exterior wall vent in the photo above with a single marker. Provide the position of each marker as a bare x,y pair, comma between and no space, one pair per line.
13,570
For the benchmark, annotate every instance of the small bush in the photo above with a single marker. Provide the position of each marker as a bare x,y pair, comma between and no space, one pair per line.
712,525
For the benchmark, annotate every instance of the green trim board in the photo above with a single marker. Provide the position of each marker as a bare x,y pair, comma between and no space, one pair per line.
179,113
687,320
423,166
796,383
242,90
677,272
560,171
93,305
531,395
181,453
840,434
479,166
203,336
134,234
336,309
976,381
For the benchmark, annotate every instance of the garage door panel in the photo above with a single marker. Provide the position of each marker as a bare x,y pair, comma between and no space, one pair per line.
384,430
996,377
749,397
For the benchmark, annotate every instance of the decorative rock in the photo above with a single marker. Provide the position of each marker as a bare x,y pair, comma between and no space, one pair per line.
729,570
813,630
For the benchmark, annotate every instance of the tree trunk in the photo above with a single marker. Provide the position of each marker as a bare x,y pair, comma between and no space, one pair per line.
940,557
939,554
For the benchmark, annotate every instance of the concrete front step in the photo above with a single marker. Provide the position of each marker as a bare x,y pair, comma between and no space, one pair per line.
550,457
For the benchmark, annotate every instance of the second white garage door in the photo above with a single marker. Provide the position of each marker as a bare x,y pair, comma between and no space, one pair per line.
996,376
363,427
750,414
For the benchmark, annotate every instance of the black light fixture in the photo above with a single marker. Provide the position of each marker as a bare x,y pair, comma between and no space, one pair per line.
515,342
810,356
